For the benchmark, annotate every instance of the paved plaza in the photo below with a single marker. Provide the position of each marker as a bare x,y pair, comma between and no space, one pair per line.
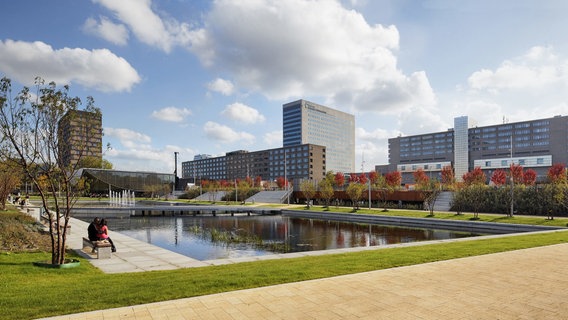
523,284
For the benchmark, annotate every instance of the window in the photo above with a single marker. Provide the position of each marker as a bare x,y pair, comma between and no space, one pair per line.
488,163
504,162
539,160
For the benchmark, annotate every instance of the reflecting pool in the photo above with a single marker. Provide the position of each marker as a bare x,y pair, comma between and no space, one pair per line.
207,238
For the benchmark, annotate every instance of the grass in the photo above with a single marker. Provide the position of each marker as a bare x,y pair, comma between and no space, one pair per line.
27,291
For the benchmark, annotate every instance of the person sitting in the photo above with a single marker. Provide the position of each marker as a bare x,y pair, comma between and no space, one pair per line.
93,229
104,234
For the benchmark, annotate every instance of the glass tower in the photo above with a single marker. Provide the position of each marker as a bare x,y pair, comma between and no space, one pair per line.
306,122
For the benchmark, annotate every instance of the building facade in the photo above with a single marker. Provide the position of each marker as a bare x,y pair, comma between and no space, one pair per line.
80,136
534,144
294,163
306,122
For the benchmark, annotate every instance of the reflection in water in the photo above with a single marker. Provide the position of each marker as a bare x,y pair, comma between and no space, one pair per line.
206,238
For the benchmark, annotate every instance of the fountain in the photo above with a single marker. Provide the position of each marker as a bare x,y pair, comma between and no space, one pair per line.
126,198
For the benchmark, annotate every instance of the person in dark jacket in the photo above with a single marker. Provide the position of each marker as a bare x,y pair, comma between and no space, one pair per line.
94,230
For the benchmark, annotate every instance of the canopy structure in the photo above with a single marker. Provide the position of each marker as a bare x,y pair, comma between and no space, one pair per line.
104,180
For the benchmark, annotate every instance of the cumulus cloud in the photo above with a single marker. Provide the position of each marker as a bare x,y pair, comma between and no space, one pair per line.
242,113
147,159
540,67
128,138
99,68
149,27
274,138
224,134
338,56
530,86
171,114
106,29
224,87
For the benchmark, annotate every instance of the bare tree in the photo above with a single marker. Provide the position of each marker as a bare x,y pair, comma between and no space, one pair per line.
30,141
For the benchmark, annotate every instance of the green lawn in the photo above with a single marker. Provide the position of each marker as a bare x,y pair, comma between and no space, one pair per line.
28,292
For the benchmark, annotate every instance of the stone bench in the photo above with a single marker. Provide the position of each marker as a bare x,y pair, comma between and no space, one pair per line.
102,247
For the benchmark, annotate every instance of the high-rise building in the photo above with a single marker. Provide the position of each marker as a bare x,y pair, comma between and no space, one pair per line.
533,144
306,122
80,136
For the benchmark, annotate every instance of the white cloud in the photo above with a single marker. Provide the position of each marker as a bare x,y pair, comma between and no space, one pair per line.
224,134
530,86
274,138
538,68
128,138
242,113
106,29
147,159
171,114
225,87
148,27
338,56
98,68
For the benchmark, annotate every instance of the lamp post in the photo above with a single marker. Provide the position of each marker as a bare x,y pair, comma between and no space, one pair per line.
512,180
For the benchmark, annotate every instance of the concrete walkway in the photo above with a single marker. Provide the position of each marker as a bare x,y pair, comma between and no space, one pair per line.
523,284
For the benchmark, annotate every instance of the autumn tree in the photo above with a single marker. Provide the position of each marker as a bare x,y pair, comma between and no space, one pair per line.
529,177
475,177
308,189
29,132
499,177
339,179
448,177
9,179
326,192
281,182
355,192
393,179
429,189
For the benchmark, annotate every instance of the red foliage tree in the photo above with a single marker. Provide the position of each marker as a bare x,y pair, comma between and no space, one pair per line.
529,177
374,177
499,177
556,173
477,176
393,179
517,173
420,177
280,182
353,177
362,178
339,179
257,181
448,176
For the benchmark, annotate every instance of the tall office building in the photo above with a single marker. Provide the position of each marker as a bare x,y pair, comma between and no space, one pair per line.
306,122
80,135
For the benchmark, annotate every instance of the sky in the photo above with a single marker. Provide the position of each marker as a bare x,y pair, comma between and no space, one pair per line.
210,77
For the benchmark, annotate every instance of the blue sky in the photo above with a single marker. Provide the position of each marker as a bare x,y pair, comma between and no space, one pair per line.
210,77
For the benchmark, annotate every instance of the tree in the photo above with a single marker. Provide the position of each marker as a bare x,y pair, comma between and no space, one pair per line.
556,172
30,140
448,177
529,177
430,189
8,181
374,177
516,172
281,182
339,179
420,177
499,177
477,176
326,191
362,179
355,191
308,189
393,179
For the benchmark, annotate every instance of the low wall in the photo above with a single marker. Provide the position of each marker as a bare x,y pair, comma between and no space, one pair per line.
467,226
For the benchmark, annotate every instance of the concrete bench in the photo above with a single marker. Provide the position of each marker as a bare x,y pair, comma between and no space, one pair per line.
102,247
